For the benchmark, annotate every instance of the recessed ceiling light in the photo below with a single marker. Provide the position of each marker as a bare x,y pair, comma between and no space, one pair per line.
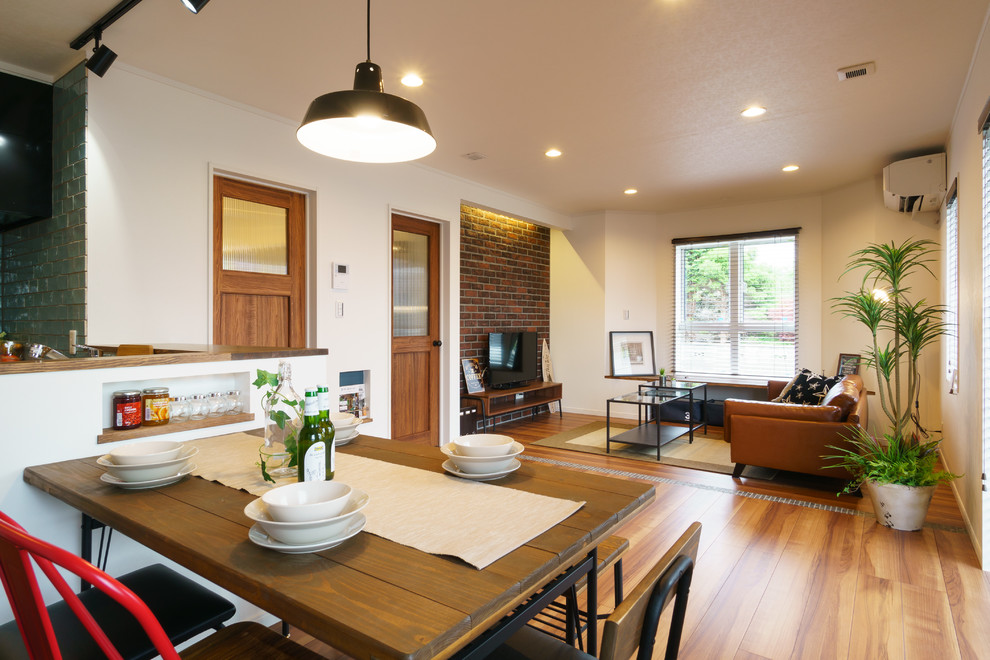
754,111
630,191
790,168
412,80
553,153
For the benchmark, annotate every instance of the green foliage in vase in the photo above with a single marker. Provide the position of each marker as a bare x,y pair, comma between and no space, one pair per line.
267,382
900,329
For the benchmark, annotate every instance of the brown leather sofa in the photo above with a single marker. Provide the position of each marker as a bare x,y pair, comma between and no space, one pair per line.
794,437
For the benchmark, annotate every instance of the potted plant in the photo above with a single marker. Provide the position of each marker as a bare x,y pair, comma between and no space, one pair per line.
900,466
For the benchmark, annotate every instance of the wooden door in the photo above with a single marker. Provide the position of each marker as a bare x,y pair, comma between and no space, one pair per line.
415,330
259,265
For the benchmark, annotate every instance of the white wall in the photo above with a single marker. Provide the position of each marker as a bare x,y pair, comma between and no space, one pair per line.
616,261
151,147
962,423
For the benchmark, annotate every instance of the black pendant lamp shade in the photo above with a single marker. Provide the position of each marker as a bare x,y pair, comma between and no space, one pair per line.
365,124
195,5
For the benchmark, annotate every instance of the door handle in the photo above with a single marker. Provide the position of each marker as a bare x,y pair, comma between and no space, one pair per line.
437,342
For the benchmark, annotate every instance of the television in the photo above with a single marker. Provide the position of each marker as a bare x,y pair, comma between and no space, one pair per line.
25,151
511,358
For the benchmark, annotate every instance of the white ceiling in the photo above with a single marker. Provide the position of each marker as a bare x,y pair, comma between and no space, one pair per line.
636,93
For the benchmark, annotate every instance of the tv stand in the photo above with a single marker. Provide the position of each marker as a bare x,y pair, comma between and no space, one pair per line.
497,402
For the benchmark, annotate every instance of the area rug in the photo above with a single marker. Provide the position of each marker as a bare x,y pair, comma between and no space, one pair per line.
590,439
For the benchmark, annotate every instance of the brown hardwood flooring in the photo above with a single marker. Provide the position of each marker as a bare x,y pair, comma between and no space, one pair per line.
776,579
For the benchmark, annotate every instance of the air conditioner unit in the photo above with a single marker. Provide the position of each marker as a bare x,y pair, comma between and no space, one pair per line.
915,184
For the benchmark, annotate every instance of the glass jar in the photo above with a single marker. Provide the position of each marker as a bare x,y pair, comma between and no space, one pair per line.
125,410
179,409
234,404
198,406
217,403
155,401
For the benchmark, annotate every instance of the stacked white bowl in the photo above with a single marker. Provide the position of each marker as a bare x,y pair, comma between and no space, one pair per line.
345,426
482,453
307,512
147,461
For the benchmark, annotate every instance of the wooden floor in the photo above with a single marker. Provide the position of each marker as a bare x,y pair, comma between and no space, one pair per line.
782,580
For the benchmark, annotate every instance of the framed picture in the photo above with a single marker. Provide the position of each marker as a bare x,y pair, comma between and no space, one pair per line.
632,353
473,375
848,364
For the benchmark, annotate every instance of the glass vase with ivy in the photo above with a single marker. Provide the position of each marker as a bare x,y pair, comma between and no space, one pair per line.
283,409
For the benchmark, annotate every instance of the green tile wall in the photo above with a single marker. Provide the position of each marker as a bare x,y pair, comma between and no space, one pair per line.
43,264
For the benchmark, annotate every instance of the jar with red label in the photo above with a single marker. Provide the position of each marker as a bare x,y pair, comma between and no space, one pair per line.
125,409
156,405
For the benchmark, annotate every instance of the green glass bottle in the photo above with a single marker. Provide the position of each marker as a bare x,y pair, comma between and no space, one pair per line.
326,424
312,448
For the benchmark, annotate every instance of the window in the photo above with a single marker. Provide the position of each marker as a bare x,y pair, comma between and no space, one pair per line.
952,288
736,306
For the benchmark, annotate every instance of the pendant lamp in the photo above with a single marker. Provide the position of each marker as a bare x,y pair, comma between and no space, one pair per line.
365,124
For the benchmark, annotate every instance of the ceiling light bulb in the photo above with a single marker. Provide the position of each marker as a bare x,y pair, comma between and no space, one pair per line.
790,168
412,80
630,191
754,111
553,153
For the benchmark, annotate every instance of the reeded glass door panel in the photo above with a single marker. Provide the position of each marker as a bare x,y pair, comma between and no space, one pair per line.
410,284
254,237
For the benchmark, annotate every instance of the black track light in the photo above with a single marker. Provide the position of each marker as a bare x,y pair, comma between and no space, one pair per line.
101,59
195,6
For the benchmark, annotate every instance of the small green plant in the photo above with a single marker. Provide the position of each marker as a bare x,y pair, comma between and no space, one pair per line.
889,462
271,398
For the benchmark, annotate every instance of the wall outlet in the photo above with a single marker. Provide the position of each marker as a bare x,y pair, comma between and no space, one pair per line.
339,309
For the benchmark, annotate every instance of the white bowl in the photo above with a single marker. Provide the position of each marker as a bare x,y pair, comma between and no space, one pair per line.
483,444
147,471
481,464
152,451
310,531
305,501
344,422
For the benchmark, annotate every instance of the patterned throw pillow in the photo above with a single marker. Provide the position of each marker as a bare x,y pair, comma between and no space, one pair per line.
807,388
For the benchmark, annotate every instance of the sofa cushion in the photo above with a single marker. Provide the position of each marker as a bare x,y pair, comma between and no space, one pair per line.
843,395
807,388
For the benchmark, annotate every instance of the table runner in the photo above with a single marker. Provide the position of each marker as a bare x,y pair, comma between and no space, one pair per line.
430,511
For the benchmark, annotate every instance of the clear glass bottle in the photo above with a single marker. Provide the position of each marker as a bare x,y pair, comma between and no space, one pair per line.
198,406
234,404
218,404
283,419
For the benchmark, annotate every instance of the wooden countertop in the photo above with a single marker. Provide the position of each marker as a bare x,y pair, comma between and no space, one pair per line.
170,354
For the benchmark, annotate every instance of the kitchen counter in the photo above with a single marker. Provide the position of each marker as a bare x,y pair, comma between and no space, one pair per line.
164,354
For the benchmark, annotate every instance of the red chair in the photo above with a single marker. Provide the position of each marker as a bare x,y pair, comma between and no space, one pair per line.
18,549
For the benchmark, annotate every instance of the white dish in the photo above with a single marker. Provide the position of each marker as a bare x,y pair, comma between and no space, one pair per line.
483,444
451,467
306,501
258,536
148,452
338,442
147,471
481,464
152,483
305,533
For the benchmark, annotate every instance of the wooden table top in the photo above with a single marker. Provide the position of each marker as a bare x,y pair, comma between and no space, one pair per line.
368,597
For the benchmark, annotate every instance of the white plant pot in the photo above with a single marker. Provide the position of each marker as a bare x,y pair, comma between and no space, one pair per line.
901,507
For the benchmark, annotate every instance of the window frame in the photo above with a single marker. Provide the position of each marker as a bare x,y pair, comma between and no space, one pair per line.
736,326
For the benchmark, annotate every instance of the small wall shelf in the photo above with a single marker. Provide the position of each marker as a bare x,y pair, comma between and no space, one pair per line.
112,435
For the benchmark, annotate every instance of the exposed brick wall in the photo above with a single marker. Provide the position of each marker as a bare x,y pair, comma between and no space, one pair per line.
44,263
505,282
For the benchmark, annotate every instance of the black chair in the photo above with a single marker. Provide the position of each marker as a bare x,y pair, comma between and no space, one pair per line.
183,607
633,625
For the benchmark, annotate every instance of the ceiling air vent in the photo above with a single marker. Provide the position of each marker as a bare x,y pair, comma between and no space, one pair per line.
474,155
857,71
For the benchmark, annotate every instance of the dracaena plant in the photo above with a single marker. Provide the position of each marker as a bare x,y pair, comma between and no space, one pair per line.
901,326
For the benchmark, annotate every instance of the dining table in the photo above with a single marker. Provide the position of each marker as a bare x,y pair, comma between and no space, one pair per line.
369,597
